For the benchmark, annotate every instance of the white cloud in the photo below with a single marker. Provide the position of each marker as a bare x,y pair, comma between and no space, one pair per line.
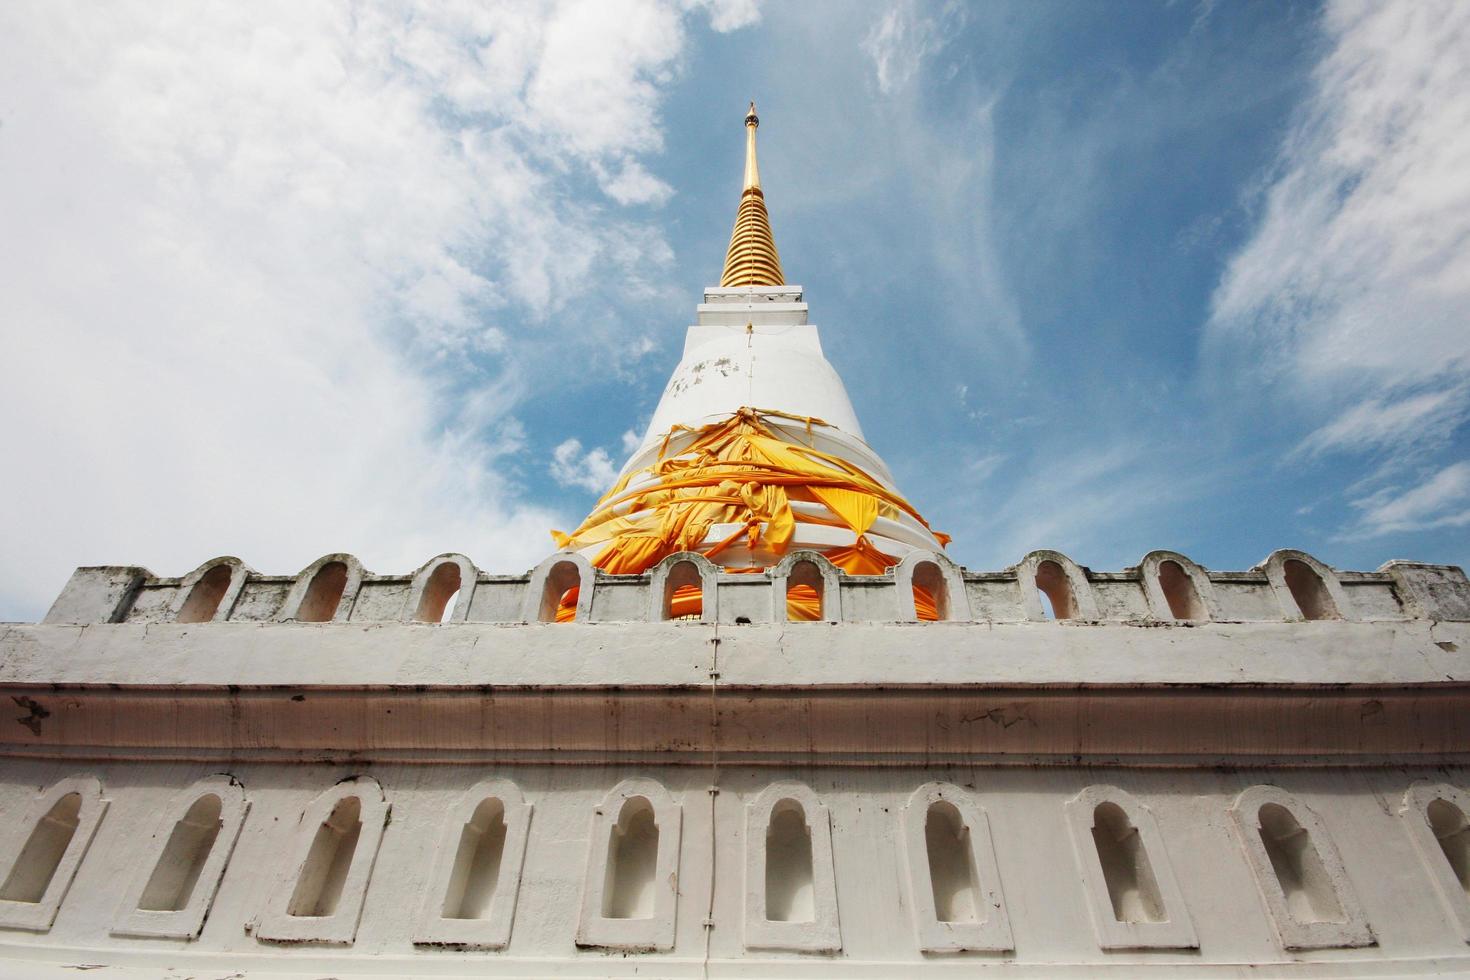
631,184
270,272
1443,500
1353,295
980,468
729,15
1359,273
591,470
631,441
1381,424
902,38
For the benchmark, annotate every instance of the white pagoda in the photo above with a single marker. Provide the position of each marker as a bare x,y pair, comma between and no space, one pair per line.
748,721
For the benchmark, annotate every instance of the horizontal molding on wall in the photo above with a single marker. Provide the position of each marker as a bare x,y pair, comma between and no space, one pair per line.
915,726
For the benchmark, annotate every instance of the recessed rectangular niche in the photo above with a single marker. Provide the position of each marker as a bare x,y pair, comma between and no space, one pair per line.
471,890
789,889
1299,874
1132,895
1451,832
954,886
629,898
1437,818
323,876
319,896
951,868
176,874
790,892
33,871
47,844
180,870
471,898
632,863
1129,874
1299,870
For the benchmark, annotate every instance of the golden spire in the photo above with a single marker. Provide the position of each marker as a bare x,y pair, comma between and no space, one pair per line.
752,259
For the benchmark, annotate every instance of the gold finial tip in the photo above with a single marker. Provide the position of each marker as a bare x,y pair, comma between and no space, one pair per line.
752,259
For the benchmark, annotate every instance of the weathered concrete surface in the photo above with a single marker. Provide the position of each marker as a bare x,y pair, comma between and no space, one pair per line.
1399,591
778,655
1034,860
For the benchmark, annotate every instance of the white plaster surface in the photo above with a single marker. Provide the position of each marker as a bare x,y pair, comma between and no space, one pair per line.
1045,900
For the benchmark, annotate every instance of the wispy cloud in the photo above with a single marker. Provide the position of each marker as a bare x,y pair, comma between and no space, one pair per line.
904,36
1441,500
278,279
1360,269
1353,295
1392,425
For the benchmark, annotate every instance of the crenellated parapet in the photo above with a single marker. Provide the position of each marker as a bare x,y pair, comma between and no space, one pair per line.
1163,588
1072,773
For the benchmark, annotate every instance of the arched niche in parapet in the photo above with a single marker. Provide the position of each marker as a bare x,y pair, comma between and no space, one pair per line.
471,897
43,848
1177,588
554,578
937,576
1437,818
183,862
324,591
1132,895
954,885
684,570
1064,583
811,570
1300,876
1306,588
319,890
790,889
208,593
441,591
632,886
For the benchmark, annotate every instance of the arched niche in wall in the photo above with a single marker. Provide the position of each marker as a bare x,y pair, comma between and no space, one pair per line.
182,863
685,569
441,591
1437,818
790,889
954,885
1132,894
1306,588
1298,872
1177,588
1063,582
809,570
324,591
470,901
208,593
318,894
554,578
632,886
43,849
940,579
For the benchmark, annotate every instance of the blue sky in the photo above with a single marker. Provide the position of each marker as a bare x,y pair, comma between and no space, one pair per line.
1101,277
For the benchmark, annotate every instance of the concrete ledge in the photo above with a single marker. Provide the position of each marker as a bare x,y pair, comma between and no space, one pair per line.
782,655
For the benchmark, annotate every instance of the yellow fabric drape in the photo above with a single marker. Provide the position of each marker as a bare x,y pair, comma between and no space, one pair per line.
738,471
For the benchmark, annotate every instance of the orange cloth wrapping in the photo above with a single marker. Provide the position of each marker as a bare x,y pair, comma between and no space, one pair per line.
739,471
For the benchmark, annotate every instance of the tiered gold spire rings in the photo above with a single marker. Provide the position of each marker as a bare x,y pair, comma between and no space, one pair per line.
752,259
